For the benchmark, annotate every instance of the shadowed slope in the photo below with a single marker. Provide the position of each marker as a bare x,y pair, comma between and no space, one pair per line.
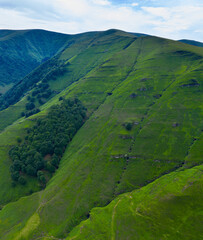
22,51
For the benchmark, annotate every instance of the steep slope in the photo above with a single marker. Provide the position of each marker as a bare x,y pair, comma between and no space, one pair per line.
96,55
85,53
22,51
152,85
168,208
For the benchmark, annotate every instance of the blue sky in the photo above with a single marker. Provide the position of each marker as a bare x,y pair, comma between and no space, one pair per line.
174,19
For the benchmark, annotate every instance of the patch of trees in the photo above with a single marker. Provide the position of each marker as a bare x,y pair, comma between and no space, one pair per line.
42,92
39,154
60,71
52,66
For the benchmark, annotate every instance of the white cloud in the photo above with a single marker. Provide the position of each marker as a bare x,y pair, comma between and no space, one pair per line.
102,2
72,16
175,20
135,4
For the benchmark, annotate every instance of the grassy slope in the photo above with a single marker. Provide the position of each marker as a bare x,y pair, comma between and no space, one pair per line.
9,136
104,159
168,208
84,52
22,51
7,139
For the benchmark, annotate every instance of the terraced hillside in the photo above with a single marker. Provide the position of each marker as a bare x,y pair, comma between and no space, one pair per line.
139,150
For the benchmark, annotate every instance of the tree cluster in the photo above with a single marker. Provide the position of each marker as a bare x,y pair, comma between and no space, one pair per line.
41,93
41,150
48,70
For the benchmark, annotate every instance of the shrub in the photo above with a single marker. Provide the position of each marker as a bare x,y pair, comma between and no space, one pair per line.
30,106
22,180
19,140
128,126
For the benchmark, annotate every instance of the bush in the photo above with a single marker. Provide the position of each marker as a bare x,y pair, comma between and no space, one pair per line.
22,180
19,140
15,175
50,167
30,106
30,170
128,126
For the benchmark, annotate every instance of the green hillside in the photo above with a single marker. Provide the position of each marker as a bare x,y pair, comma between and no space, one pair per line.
168,208
144,106
22,51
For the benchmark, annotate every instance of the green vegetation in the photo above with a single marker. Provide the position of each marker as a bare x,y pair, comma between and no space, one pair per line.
143,98
23,51
9,138
48,138
169,208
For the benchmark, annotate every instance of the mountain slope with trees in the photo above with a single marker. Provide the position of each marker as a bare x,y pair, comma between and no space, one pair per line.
22,51
140,147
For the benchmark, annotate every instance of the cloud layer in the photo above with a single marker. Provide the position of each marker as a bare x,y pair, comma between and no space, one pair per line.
171,19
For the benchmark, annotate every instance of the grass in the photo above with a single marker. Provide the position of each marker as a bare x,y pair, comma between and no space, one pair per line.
105,160
5,88
11,114
94,55
9,138
168,208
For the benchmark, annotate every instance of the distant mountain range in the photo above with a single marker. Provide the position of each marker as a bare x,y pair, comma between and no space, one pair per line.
192,42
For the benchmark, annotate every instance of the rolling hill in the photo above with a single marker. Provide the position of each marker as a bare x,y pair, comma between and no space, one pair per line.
134,169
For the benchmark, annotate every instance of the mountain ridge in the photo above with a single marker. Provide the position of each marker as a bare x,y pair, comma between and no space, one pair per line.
192,42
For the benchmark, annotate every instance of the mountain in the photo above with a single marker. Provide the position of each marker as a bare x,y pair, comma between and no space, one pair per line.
192,42
22,51
134,168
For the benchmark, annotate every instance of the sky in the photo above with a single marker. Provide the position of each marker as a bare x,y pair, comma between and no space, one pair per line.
174,19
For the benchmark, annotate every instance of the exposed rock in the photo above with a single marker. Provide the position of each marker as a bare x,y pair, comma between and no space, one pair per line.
142,89
157,96
136,123
126,137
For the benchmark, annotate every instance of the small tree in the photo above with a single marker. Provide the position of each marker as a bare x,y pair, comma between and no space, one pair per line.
128,126
22,180
50,167
19,140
